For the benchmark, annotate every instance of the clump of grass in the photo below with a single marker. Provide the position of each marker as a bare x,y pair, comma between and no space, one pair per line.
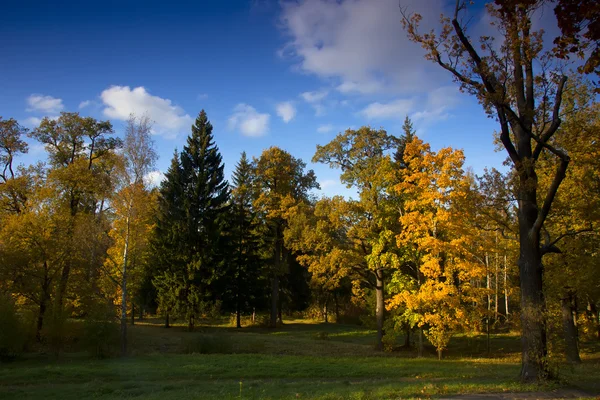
321,335
208,344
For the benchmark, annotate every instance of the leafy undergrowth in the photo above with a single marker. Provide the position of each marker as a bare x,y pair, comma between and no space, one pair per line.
299,360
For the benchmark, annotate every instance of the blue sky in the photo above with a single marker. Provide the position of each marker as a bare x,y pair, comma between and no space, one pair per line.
291,74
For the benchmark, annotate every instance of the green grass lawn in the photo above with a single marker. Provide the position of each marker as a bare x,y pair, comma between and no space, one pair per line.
300,360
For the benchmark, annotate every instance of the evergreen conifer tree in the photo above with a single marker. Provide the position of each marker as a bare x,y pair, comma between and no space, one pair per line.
245,264
206,198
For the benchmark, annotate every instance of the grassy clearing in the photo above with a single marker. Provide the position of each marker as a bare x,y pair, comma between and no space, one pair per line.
301,360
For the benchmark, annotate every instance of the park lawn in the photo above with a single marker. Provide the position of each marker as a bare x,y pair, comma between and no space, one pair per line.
301,360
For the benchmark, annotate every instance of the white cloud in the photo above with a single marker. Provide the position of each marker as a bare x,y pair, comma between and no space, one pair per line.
121,101
359,43
154,178
314,97
84,104
46,104
438,105
325,128
328,183
286,111
37,149
435,105
202,96
32,122
395,109
249,121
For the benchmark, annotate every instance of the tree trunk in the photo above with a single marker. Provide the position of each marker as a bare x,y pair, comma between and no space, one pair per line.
379,311
238,316
337,307
420,349
533,308
124,294
44,297
191,323
279,309
496,290
275,280
167,320
407,336
570,331
439,352
325,313
505,290
132,313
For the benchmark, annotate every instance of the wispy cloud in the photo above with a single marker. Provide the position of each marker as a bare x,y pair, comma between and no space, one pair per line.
359,44
45,104
325,128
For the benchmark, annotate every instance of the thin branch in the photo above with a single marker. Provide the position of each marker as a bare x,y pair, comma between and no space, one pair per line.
558,178
551,246
555,120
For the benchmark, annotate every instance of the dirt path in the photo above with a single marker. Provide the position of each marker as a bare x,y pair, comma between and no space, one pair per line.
555,394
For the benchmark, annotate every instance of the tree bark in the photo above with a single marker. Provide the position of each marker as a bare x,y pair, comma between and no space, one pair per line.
420,349
167,320
533,308
337,307
274,299
124,293
407,336
238,314
191,323
379,311
570,330
44,297
505,290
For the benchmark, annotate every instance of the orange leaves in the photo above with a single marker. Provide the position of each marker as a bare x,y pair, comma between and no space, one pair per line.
437,226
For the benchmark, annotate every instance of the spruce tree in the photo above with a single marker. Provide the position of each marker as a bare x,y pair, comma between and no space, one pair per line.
206,198
245,264
168,239
407,137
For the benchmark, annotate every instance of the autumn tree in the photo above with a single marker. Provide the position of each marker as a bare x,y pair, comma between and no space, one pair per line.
132,205
571,267
281,182
82,164
438,237
526,102
318,234
13,185
364,158
579,23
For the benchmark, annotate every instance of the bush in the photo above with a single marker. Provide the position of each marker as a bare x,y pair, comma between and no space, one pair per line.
13,335
321,336
208,344
262,321
101,332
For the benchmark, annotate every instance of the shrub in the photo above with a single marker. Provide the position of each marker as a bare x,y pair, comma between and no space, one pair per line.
101,332
321,336
12,330
208,344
